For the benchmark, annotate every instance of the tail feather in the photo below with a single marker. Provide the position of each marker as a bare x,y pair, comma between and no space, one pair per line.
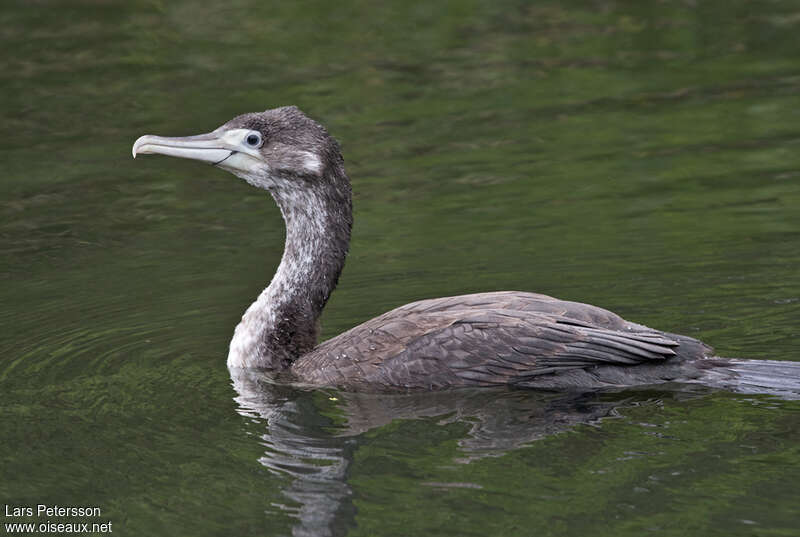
773,377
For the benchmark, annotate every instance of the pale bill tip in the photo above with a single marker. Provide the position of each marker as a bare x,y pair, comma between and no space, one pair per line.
138,144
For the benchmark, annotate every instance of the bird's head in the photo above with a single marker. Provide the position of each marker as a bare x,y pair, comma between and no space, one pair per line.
276,149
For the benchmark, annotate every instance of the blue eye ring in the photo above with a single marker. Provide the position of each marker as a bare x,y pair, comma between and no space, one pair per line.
253,139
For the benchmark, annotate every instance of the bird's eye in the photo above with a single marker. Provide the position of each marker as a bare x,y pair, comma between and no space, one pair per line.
253,139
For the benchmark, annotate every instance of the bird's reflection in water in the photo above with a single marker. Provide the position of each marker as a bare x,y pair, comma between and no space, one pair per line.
314,452
299,445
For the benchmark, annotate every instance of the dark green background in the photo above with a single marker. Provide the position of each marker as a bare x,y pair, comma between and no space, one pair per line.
639,155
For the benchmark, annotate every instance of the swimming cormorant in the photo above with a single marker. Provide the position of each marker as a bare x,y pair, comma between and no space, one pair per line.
515,338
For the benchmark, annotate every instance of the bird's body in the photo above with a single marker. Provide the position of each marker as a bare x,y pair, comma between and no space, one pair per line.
509,337
486,339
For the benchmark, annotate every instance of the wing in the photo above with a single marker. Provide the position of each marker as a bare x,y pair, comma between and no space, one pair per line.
503,348
517,348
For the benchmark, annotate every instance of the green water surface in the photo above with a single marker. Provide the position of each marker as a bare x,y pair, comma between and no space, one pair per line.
639,155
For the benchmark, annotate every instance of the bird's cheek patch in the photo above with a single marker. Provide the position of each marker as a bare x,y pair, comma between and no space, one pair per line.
310,162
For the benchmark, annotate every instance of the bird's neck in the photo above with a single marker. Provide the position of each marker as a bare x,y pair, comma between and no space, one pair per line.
283,323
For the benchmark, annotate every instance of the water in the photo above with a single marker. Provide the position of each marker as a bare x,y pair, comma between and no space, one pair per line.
642,156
